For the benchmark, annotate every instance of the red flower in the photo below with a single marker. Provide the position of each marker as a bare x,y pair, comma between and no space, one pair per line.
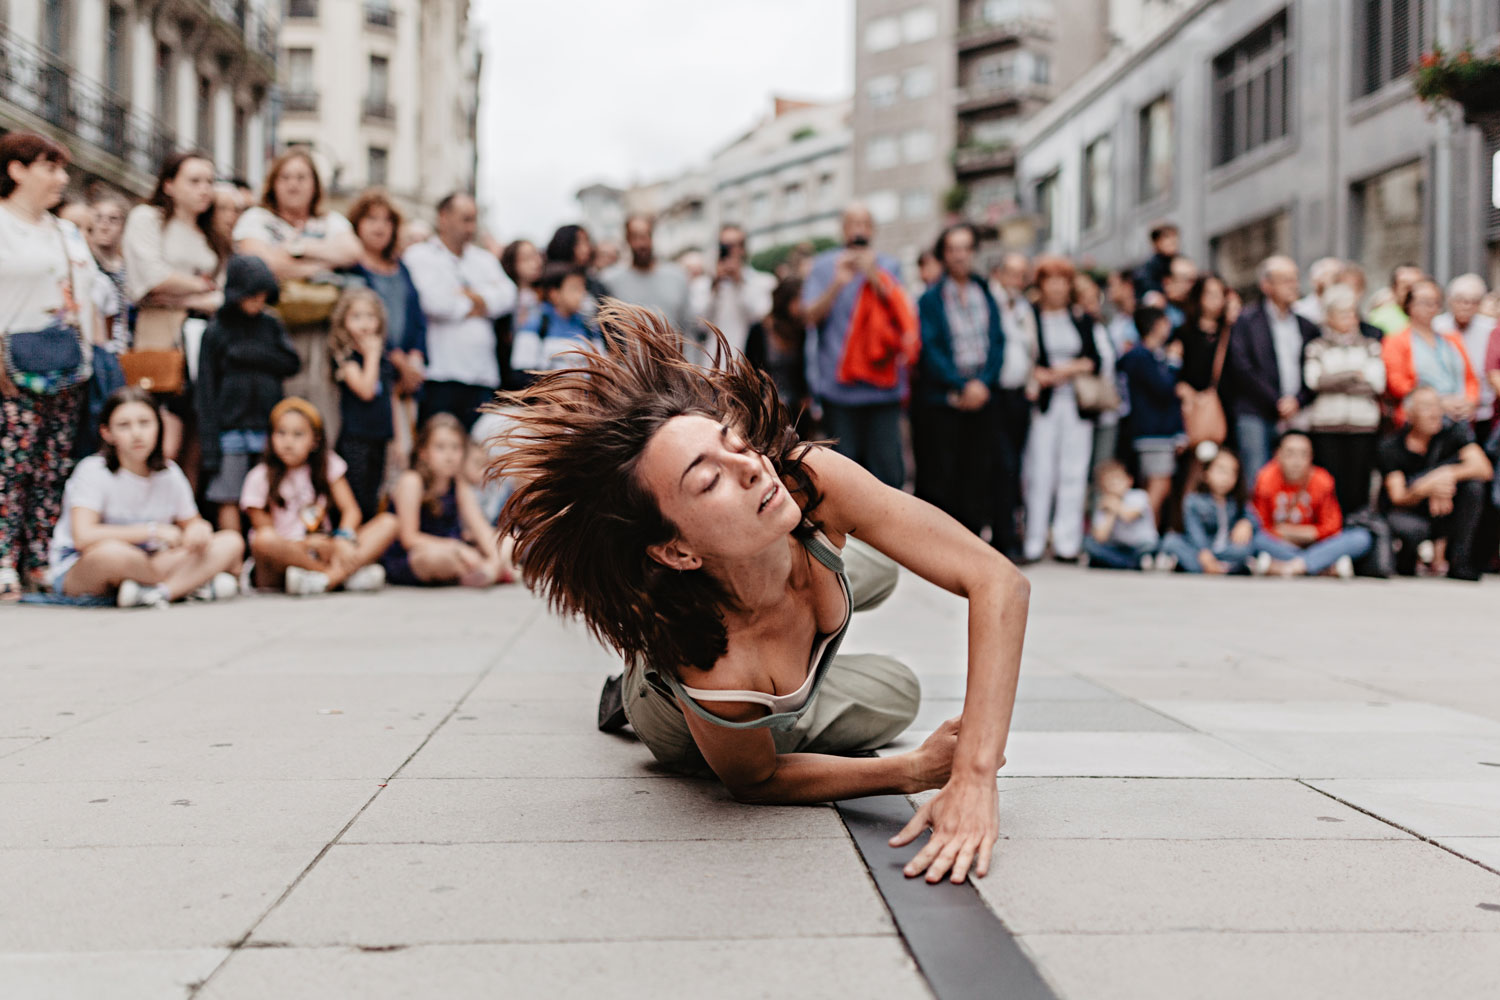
1429,60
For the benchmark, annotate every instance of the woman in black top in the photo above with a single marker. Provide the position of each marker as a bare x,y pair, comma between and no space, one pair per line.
1205,320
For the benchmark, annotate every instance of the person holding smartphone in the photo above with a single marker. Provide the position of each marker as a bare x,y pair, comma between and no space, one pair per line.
735,296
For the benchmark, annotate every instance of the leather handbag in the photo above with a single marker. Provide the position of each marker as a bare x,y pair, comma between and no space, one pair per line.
307,303
162,372
54,355
1203,417
1095,394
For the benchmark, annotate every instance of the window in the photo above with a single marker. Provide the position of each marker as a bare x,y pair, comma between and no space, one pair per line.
1155,125
917,82
1252,92
993,193
884,206
881,152
882,33
916,145
116,53
794,200
919,24
55,27
1000,132
299,71
1391,36
166,89
1035,66
1098,182
377,170
916,204
760,206
1046,208
240,149
826,190
1388,219
1236,254
302,8
882,91
380,80
205,113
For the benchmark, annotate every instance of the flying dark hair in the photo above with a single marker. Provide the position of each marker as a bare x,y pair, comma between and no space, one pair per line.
157,460
26,148
582,517
170,168
940,248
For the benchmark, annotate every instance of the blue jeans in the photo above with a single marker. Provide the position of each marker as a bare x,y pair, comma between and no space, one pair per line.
871,435
1254,436
1113,555
1234,557
1351,542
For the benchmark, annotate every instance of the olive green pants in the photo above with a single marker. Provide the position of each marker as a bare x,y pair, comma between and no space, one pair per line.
865,700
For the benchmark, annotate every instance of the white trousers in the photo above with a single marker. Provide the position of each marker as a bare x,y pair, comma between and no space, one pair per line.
1055,475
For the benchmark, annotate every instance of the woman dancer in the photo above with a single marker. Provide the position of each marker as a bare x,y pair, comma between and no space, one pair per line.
678,513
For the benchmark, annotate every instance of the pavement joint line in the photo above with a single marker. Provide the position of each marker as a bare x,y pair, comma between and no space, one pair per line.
234,947
1391,823
960,945
560,942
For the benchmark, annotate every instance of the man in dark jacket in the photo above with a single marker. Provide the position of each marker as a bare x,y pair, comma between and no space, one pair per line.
245,356
955,420
1263,367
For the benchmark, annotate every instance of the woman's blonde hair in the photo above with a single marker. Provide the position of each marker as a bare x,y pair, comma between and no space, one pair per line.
340,341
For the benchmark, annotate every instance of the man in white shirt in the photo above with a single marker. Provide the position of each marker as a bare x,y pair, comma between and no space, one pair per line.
734,297
463,291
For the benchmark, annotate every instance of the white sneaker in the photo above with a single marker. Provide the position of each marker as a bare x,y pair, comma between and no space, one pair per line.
1344,568
1261,564
1166,562
305,582
137,595
222,587
1426,551
366,579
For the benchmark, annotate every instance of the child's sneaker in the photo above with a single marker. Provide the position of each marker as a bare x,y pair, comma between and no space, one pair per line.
1344,568
1166,562
1426,551
305,582
366,579
222,587
1261,564
137,595
247,576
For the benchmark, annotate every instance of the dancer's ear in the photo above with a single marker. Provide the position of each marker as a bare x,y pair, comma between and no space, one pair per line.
673,556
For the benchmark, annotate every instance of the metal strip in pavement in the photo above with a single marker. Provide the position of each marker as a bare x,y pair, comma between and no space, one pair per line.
961,947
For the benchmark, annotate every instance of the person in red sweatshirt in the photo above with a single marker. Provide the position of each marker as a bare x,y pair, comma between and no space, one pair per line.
1301,529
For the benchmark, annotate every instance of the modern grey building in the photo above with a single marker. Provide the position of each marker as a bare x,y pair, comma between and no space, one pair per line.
1265,126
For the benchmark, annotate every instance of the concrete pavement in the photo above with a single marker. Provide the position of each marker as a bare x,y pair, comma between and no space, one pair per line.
1215,788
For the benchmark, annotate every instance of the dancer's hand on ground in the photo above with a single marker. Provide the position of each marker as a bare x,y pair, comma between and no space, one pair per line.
965,823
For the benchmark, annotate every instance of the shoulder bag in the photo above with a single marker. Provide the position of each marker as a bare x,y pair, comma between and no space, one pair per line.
1203,412
156,361
50,359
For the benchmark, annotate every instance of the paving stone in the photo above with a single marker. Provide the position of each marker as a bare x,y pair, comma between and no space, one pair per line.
1091,716
1177,809
1134,886
137,975
1372,716
1372,755
536,810
1427,808
876,968
1485,850
516,716
240,813
139,898
1237,681
1129,755
378,894
43,702
453,753
1189,966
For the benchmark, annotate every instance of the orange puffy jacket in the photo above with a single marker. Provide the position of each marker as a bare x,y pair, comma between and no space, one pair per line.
883,336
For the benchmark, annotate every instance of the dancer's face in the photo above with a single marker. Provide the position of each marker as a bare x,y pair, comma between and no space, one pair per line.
724,497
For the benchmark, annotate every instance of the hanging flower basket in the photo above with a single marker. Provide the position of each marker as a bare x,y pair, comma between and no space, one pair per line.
1464,78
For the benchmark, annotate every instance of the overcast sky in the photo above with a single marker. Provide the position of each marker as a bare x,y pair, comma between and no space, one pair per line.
576,91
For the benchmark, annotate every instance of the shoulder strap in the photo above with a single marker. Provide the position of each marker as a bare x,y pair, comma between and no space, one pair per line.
1221,350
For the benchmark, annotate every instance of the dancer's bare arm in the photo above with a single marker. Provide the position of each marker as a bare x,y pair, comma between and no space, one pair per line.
940,550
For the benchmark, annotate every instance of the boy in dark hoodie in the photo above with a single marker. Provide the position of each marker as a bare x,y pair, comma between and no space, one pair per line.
245,356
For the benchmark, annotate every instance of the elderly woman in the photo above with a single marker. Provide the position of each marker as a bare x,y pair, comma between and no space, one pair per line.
676,511
47,278
1055,469
1345,369
1465,294
1422,356
303,243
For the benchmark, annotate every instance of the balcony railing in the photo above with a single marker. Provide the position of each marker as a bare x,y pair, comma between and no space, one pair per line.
299,101
378,109
43,85
984,94
979,34
976,157
380,15
302,8
249,23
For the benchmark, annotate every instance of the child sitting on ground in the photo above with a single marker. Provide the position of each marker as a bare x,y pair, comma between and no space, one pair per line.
554,332
129,522
443,536
1218,527
367,390
1302,529
245,356
1123,535
287,498
1156,427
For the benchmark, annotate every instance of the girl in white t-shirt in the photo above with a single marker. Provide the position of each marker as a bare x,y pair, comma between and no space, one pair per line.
289,497
129,523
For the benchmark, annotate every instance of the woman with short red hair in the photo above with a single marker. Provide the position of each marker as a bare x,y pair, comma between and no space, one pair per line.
1055,469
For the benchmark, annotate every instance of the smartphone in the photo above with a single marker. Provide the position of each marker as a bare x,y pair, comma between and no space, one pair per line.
860,242
724,251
